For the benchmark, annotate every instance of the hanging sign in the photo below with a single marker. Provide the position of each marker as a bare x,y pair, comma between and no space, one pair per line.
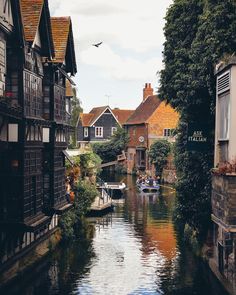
197,137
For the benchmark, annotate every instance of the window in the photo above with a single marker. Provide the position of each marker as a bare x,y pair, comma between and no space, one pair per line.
60,136
113,130
46,135
13,132
2,66
98,131
85,131
223,116
167,132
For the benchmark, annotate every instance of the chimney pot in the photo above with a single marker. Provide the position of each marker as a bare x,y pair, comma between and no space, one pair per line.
147,91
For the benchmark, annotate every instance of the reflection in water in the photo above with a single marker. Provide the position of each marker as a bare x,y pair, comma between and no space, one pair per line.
135,250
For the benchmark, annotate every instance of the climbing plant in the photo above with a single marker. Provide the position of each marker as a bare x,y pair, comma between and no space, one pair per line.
198,34
158,155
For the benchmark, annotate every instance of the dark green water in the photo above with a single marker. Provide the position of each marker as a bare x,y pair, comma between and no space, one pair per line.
135,250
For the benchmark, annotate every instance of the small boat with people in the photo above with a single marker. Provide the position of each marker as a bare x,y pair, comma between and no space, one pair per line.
148,184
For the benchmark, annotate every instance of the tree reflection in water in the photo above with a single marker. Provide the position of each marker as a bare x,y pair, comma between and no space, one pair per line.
135,250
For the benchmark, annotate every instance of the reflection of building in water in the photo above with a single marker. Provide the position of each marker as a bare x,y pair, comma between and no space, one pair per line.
53,274
162,238
101,222
152,216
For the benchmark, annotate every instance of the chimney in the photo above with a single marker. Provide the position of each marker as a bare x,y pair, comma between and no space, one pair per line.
147,90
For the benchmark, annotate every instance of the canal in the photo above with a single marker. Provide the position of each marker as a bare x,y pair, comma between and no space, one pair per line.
134,250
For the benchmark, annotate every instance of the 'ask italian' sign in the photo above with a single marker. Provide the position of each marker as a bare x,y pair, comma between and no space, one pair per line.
197,137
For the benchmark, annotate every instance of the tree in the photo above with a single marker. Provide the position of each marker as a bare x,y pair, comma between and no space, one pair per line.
198,34
158,154
76,109
109,151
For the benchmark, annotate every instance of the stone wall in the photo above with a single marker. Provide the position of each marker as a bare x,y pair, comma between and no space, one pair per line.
224,219
224,198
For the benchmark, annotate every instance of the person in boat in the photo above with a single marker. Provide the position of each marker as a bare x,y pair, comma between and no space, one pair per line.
150,181
139,180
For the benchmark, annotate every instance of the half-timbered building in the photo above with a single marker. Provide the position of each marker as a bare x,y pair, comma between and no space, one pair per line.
36,55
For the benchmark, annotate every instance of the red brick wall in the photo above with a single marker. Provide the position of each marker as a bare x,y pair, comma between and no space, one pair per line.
134,133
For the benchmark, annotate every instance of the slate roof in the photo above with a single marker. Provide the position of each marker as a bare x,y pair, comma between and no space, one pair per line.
122,115
31,13
60,34
144,110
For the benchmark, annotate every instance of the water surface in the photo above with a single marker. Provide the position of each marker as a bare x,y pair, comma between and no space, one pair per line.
135,250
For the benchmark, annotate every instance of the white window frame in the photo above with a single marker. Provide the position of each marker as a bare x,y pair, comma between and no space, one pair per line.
85,131
223,130
113,130
99,132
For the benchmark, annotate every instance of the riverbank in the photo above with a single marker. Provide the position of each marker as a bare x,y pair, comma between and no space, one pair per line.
30,259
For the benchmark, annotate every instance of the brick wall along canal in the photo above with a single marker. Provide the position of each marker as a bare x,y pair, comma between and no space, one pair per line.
135,250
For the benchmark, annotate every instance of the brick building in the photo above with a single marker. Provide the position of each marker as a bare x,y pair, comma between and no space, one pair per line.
152,120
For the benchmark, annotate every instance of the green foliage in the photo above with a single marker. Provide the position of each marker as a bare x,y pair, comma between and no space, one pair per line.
158,154
198,34
86,193
89,163
76,161
109,151
67,223
76,109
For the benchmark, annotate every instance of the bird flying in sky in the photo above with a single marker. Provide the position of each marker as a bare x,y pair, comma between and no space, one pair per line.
97,44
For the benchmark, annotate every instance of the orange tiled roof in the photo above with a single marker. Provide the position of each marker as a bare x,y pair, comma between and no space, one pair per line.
69,90
31,12
144,110
122,115
86,119
60,34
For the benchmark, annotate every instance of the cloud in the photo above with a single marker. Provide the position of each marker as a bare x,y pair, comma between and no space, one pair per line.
129,24
120,67
132,35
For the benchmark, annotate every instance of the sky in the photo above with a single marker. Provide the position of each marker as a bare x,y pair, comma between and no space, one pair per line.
131,53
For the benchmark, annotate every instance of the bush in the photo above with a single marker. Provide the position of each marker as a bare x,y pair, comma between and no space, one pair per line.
158,154
109,151
67,223
89,163
86,193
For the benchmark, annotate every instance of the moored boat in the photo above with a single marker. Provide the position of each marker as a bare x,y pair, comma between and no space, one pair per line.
116,189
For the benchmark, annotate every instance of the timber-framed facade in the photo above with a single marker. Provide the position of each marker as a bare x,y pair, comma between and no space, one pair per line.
35,60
